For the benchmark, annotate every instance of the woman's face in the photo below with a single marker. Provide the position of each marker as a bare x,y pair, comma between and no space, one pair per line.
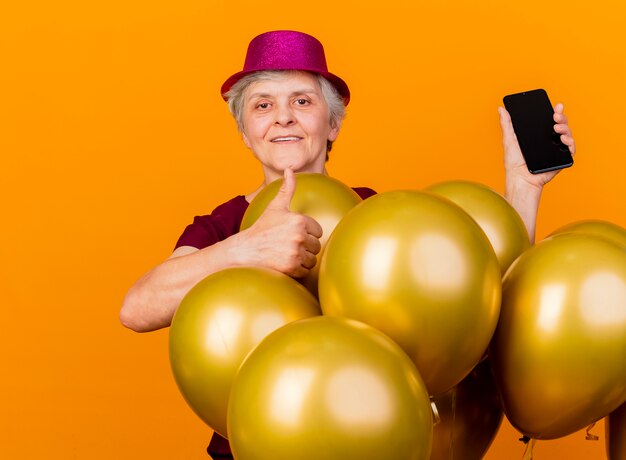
286,123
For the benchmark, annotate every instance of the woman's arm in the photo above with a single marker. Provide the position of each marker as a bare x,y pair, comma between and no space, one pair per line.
279,239
152,301
523,189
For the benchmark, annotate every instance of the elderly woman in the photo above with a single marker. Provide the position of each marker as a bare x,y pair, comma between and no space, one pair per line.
289,110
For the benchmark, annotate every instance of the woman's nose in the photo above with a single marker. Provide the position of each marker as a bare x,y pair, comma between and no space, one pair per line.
284,115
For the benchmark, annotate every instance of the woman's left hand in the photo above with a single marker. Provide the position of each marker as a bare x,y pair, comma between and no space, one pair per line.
522,188
514,163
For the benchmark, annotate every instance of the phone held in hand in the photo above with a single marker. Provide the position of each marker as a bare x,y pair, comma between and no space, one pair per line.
532,116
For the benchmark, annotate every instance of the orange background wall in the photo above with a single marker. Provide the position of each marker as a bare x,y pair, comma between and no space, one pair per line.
113,135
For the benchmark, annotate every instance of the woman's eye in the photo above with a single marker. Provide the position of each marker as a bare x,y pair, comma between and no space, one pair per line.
302,101
263,105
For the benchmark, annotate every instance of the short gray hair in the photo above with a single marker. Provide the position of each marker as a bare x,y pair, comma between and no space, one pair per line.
234,96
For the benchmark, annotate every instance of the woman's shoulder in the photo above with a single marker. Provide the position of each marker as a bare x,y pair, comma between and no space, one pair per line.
221,223
236,205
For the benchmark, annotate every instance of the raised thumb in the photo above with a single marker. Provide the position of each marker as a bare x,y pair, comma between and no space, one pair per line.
282,200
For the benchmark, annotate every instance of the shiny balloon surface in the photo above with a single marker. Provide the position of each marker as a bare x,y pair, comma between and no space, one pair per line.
601,228
329,388
419,268
559,351
470,416
498,219
318,196
616,434
218,322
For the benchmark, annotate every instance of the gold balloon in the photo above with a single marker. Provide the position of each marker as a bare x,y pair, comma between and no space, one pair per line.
498,219
218,322
601,228
329,388
318,196
559,351
615,429
418,268
470,415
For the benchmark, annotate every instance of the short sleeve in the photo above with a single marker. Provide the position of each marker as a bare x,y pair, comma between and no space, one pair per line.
224,221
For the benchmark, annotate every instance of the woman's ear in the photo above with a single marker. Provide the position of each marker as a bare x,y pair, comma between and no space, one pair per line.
335,126
245,139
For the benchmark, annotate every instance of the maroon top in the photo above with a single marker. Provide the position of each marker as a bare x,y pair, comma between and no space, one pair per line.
223,222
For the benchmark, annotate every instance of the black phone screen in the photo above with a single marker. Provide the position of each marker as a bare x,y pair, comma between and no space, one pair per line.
532,116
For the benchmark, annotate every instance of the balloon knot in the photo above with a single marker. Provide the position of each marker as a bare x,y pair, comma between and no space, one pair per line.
525,439
590,436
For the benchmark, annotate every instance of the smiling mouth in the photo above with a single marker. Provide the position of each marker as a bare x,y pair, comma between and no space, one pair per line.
286,139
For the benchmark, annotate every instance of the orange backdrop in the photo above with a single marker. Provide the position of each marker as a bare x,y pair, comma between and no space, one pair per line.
113,135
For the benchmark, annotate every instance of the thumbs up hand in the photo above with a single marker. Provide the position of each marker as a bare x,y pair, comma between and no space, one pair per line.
280,239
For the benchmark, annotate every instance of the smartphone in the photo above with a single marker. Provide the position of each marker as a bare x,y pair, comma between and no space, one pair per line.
532,116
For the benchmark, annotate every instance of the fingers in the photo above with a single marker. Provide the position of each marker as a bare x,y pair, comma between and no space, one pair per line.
560,118
569,141
307,241
308,261
312,227
562,128
566,137
301,264
312,244
282,200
